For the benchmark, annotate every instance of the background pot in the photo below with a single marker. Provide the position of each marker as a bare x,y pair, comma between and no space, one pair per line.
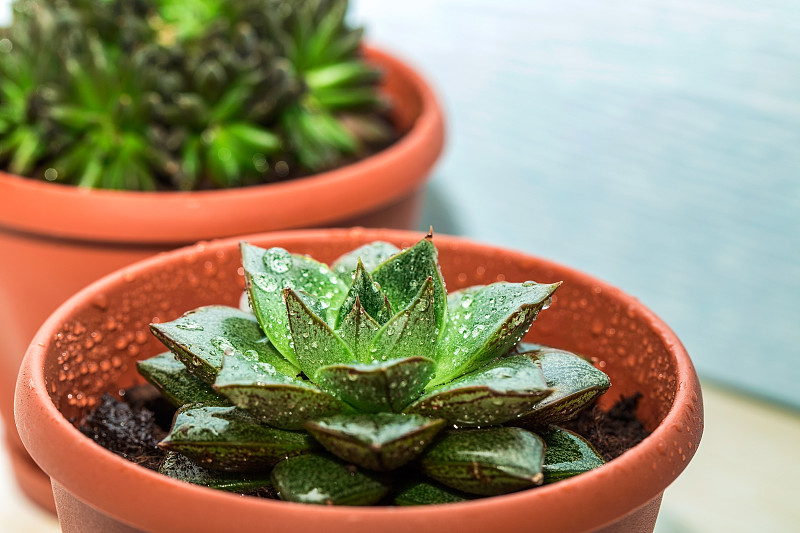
91,342
56,239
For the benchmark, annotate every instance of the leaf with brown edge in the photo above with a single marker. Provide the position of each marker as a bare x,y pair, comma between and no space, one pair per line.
575,383
179,467
202,337
489,396
485,322
486,461
324,480
227,438
271,397
175,383
567,455
379,441
379,386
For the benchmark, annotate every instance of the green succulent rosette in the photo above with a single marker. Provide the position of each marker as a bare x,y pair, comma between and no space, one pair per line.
189,94
364,381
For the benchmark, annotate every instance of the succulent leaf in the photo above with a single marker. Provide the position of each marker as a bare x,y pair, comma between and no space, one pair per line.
227,438
316,344
380,386
568,454
358,329
492,395
412,331
370,296
323,480
179,467
485,322
200,339
371,255
269,272
426,492
176,384
402,275
273,398
575,383
380,441
486,461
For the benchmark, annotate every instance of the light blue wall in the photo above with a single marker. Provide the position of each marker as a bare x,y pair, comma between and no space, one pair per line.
655,144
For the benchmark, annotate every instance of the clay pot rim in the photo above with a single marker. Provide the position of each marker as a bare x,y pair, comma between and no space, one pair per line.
38,419
179,217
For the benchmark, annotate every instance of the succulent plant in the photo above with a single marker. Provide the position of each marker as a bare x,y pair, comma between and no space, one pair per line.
365,382
151,94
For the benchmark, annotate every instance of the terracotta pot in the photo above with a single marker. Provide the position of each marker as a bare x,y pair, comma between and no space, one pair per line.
89,346
56,239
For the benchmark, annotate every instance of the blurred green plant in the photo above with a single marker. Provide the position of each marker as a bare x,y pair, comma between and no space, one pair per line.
151,94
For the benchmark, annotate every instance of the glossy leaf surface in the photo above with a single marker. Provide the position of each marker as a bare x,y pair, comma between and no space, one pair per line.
269,272
227,438
486,461
175,383
568,454
357,330
271,397
201,338
402,275
381,386
427,492
489,396
485,322
381,441
316,344
575,383
412,331
324,480
369,295
179,467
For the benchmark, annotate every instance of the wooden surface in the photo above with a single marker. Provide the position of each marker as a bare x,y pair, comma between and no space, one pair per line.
655,144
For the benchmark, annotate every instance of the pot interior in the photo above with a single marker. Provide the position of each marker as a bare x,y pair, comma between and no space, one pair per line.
105,333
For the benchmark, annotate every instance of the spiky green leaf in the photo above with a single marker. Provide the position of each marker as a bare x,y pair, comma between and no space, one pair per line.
575,383
175,383
358,329
402,275
380,441
323,480
201,338
412,331
568,454
179,467
380,386
369,295
315,343
489,396
486,461
485,322
272,397
268,272
227,438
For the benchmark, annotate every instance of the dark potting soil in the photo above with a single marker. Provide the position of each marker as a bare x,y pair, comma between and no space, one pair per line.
133,425
612,432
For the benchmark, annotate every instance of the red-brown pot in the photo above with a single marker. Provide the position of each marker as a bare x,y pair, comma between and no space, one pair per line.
89,346
56,239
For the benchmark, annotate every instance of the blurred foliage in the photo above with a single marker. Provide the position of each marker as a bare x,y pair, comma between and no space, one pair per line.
186,94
